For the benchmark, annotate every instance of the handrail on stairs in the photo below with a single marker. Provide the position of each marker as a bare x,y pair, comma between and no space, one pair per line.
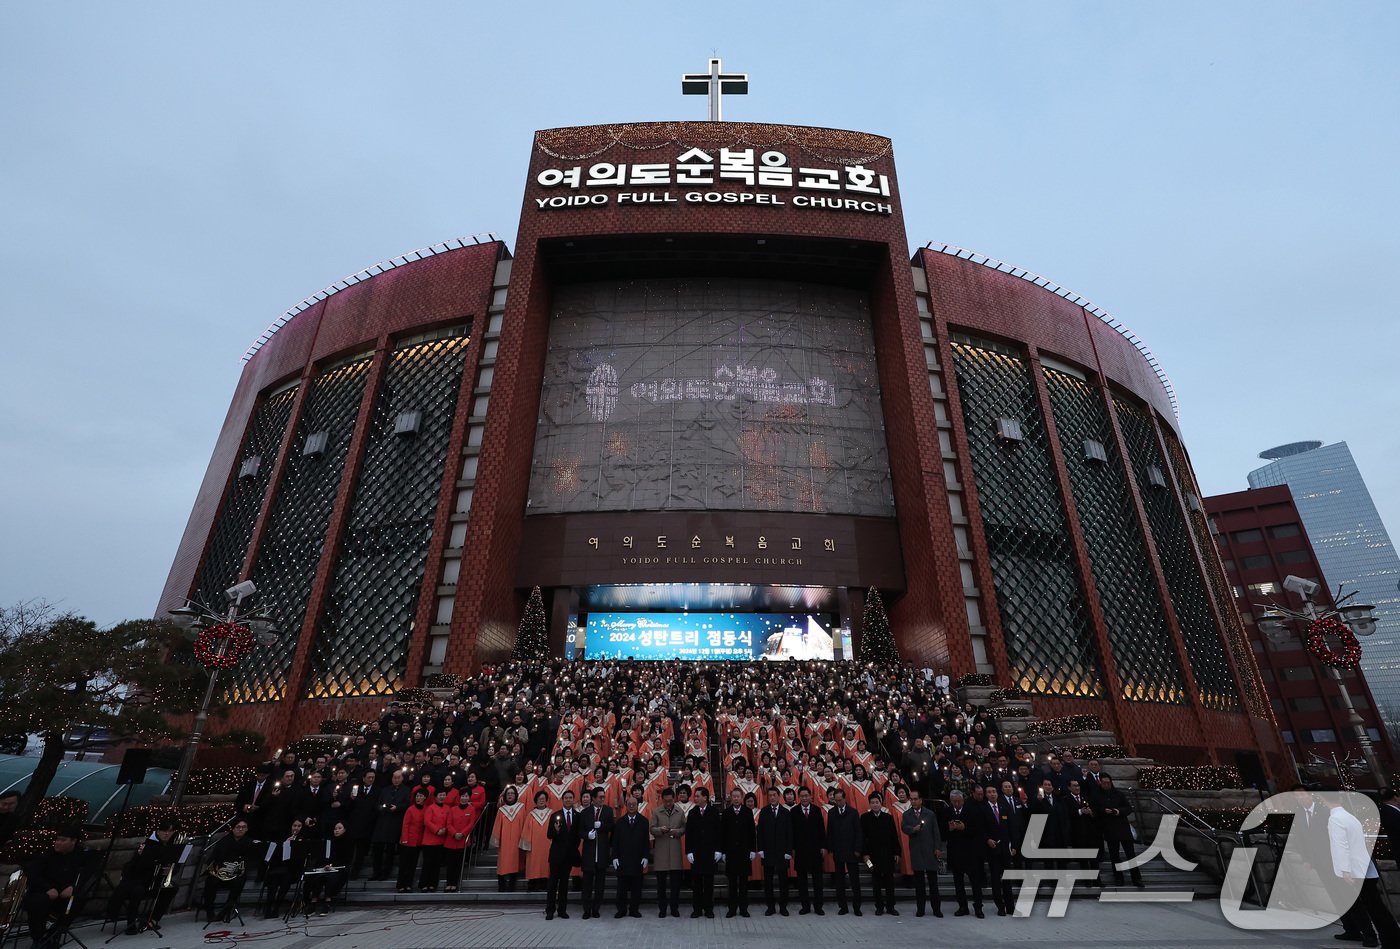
1218,838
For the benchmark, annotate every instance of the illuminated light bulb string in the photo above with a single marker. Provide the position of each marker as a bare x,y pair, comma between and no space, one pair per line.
223,645
581,144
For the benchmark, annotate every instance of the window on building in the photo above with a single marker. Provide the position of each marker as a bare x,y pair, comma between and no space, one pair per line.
1256,563
1263,589
1229,565
1251,536
1306,703
1323,735
1296,674
1287,737
1280,531
1293,556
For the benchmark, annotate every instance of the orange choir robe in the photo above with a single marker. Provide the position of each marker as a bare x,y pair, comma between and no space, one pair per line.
897,809
535,832
505,836
858,794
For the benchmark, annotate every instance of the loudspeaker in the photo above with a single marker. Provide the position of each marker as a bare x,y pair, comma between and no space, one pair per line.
135,761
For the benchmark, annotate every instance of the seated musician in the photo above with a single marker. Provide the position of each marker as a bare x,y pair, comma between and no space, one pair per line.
229,862
142,874
325,872
53,883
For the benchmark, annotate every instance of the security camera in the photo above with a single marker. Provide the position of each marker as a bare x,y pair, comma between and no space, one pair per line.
241,591
1304,588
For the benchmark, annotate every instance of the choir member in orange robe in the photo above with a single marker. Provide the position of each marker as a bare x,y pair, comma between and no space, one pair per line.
505,837
534,842
898,804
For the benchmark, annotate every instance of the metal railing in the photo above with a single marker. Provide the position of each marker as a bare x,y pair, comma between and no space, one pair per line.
1219,841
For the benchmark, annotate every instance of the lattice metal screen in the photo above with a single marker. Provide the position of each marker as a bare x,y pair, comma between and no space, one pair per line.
1172,539
291,547
228,546
363,637
1137,627
1049,639
1235,636
713,394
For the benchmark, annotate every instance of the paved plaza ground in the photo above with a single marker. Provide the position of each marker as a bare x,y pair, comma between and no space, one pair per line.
1088,925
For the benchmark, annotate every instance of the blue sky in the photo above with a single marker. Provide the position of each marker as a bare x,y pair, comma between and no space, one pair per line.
1219,176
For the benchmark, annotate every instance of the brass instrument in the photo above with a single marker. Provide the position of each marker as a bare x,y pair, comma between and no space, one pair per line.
228,871
11,900
178,841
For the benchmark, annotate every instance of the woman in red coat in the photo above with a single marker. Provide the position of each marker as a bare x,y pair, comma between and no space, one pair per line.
411,840
460,822
434,836
474,792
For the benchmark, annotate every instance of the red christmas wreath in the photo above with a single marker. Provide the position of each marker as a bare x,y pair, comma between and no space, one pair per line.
1350,655
206,645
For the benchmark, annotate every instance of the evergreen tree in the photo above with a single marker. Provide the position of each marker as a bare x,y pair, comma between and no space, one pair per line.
60,672
532,638
876,637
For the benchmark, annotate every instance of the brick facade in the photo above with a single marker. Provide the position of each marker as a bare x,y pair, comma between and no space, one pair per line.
632,238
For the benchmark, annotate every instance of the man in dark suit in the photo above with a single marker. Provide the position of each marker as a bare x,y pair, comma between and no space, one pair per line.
595,821
881,847
631,851
1112,808
774,839
253,797
1082,825
843,839
808,850
737,832
966,839
702,849
563,857
999,818
315,803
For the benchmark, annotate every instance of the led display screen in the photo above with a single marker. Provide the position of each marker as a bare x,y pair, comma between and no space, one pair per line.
710,394
708,636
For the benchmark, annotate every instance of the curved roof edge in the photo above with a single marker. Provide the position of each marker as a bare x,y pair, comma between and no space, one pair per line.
1289,450
952,250
373,270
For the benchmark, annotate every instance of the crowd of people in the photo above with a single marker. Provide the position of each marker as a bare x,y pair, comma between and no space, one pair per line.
780,776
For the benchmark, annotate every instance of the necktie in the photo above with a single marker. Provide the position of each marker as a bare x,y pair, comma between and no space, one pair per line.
568,819
806,812
996,814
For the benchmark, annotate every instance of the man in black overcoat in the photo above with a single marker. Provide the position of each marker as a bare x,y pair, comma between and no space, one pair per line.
595,821
808,850
966,837
740,839
631,850
843,839
563,836
881,847
702,849
774,839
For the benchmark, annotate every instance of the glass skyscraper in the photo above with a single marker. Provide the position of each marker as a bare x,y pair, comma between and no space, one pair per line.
1352,546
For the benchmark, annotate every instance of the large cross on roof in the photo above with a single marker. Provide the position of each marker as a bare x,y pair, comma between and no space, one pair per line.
715,84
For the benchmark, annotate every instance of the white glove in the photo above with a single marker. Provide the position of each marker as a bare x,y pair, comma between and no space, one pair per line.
644,863
760,856
718,856
750,854
614,864
592,835
690,857
787,856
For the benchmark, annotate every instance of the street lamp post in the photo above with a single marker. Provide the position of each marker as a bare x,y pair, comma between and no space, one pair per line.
1360,619
195,617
